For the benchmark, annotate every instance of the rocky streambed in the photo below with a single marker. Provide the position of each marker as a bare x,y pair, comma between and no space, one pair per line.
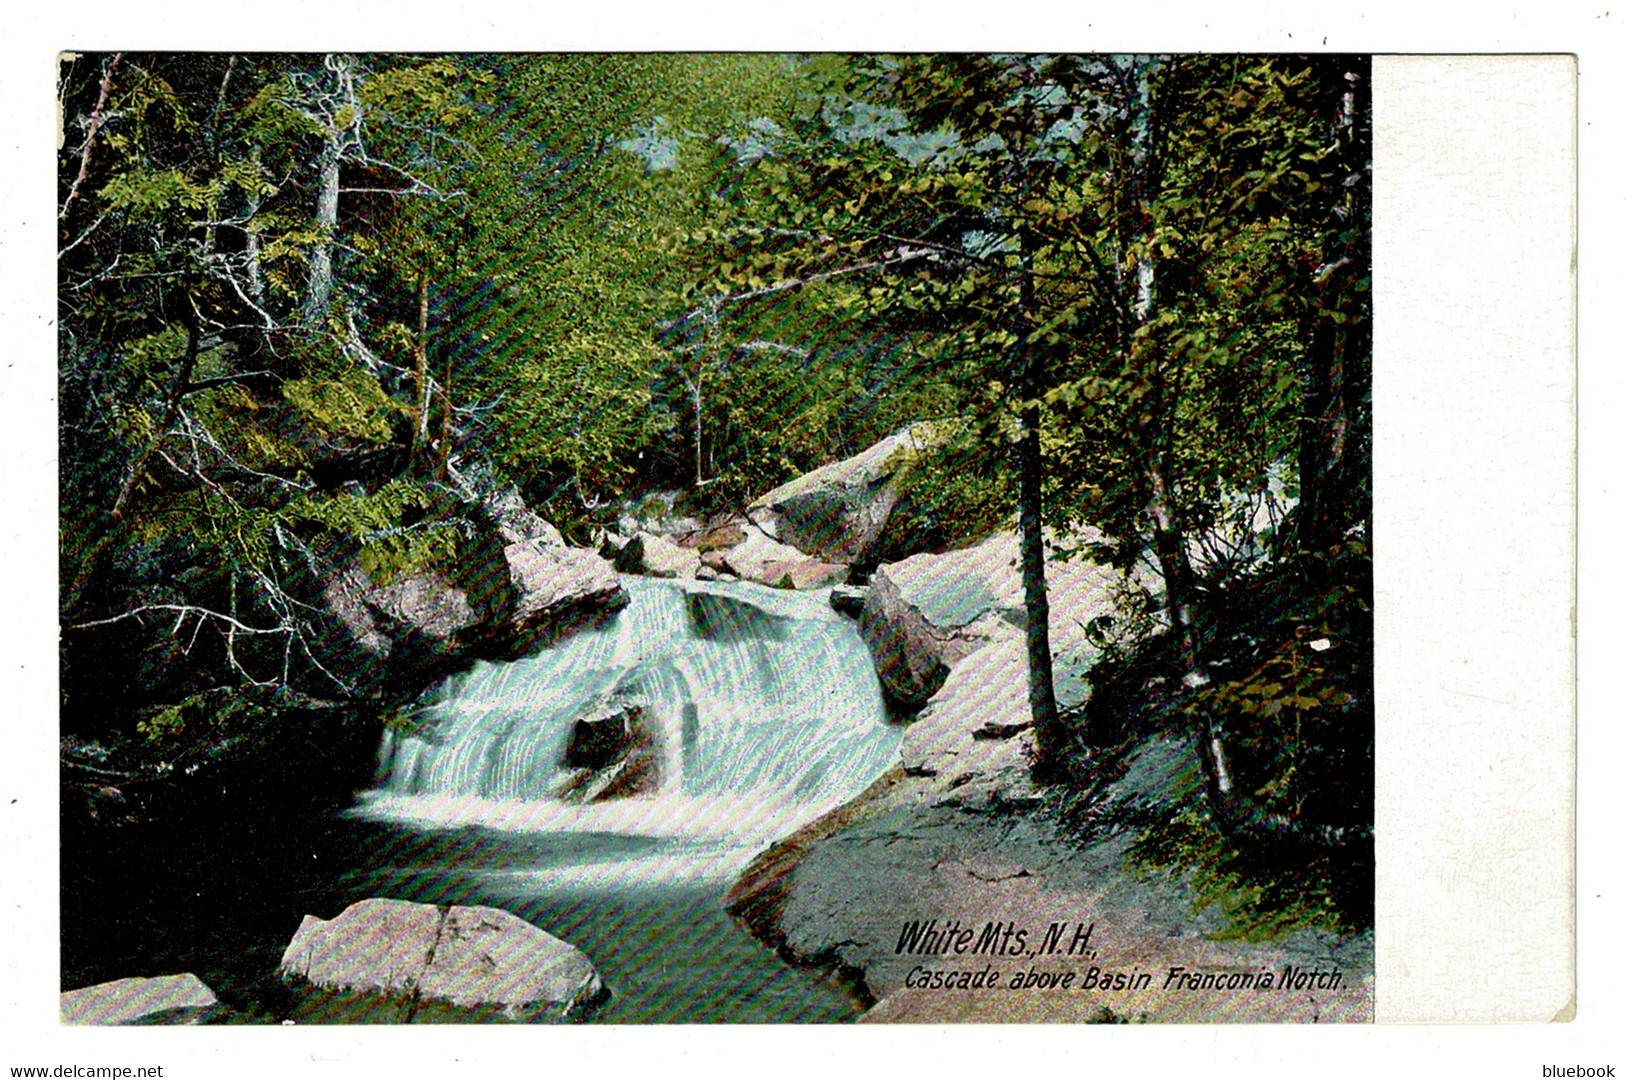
955,890
950,889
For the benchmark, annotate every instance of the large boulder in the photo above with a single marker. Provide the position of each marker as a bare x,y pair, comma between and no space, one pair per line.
550,581
501,504
926,613
167,999
375,631
497,600
407,956
838,511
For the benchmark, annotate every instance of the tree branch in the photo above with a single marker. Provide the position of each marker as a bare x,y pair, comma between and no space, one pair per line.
97,119
184,609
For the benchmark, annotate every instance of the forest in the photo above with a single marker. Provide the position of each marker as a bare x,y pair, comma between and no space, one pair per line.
308,303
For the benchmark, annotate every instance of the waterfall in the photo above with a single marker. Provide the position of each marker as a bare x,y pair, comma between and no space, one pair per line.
761,708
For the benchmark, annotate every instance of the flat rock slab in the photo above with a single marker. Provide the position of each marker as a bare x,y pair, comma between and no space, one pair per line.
166,999
476,958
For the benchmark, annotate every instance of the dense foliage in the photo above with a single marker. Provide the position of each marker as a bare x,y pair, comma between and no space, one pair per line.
302,295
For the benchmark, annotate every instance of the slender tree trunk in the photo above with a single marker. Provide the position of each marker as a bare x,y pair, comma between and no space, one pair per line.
1167,526
420,425
699,421
445,419
319,288
251,232
1168,540
1330,442
1049,733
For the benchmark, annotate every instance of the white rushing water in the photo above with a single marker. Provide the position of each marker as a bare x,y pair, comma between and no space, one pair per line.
765,710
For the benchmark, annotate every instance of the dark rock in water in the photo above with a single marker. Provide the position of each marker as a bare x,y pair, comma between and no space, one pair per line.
717,616
598,742
848,599
615,752
168,999
409,959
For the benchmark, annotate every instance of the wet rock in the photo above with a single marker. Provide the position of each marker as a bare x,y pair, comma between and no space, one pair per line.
802,574
848,599
716,616
168,999
550,581
614,751
409,957
657,556
597,742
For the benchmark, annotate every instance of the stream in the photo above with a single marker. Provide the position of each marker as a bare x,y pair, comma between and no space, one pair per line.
764,712
759,710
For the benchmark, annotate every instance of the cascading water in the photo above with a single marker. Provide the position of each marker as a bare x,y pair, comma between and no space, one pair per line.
764,711
757,710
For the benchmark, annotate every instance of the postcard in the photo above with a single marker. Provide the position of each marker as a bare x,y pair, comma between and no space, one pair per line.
897,538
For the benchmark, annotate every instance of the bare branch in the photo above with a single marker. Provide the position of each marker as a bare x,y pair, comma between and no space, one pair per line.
92,227
98,117
185,609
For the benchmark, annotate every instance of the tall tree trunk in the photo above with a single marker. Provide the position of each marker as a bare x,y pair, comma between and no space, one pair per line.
319,287
1049,733
1168,540
1335,424
420,424
699,421
1167,526
442,469
251,233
